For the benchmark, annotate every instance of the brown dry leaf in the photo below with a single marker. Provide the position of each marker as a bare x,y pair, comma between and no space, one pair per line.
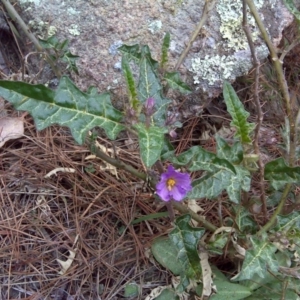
207,274
65,265
10,128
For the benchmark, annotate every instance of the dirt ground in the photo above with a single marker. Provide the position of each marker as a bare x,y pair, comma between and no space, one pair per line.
69,235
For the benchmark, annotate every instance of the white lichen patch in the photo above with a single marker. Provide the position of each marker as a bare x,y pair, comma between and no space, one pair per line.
216,69
230,56
42,29
22,2
213,68
155,26
74,29
230,12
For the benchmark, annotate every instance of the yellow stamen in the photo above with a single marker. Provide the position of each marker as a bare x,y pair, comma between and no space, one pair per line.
170,183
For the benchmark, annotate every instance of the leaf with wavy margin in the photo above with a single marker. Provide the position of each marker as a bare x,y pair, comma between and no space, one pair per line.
151,141
238,113
258,260
66,106
185,239
279,174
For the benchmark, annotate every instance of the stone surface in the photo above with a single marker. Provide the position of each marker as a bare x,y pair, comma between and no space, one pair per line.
95,28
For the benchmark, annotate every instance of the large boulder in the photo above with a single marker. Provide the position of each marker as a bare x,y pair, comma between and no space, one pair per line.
95,29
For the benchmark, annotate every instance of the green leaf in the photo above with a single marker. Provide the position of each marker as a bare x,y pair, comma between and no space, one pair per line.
164,252
233,153
238,113
131,52
292,8
175,83
168,150
132,92
70,59
258,260
131,290
221,174
288,222
274,291
164,50
50,43
66,106
230,291
151,141
185,239
167,294
244,220
196,158
150,86
279,174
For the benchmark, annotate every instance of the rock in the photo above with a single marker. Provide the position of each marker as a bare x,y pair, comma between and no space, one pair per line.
95,29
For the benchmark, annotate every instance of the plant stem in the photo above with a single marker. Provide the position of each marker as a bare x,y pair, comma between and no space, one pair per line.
16,17
208,6
258,110
121,165
280,76
278,210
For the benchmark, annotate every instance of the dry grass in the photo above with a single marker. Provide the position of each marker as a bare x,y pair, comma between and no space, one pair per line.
41,219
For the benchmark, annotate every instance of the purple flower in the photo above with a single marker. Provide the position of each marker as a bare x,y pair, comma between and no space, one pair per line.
173,185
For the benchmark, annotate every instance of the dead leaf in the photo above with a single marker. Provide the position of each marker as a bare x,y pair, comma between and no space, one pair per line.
109,151
193,205
10,128
206,274
54,171
65,265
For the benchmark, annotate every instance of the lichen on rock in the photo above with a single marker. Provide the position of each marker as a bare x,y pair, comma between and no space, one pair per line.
230,57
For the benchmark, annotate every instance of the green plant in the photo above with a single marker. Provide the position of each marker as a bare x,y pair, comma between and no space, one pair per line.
59,51
268,255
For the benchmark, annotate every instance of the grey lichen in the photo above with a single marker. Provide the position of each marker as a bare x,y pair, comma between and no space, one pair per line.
231,57
155,26
230,12
215,69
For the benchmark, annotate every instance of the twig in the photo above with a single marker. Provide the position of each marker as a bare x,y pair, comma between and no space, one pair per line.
16,17
287,101
258,110
208,6
278,210
280,76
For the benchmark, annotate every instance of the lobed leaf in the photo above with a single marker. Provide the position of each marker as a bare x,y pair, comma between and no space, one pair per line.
279,174
288,222
149,86
221,174
151,142
258,260
66,106
174,81
131,52
233,153
196,158
185,239
238,113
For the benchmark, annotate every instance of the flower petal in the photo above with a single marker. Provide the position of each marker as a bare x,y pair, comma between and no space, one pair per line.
176,194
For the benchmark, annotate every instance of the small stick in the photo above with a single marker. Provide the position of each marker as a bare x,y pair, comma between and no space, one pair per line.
208,6
260,115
